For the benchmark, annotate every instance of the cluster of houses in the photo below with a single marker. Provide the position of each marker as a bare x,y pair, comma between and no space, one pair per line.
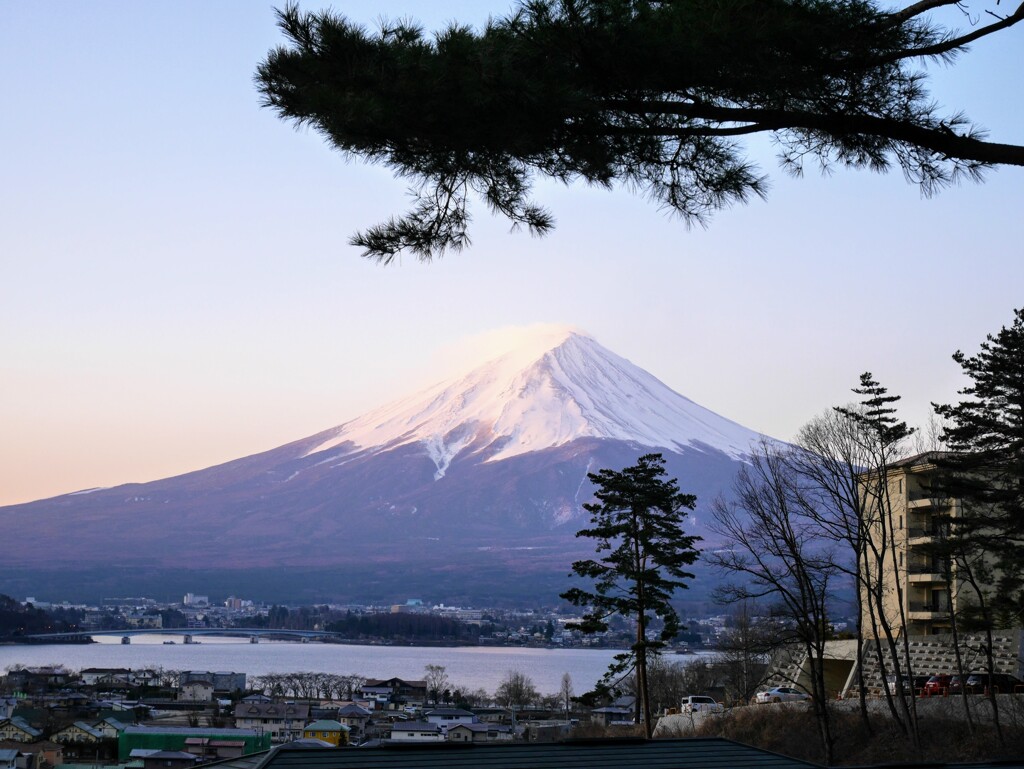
125,717
355,722
386,709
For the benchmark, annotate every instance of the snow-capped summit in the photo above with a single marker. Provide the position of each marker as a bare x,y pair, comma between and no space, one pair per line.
555,386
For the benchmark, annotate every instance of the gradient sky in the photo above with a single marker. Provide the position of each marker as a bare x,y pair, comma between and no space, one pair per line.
176,288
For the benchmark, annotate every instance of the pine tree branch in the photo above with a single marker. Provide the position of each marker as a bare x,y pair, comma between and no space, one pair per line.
702,130
923,6
938,49
835,124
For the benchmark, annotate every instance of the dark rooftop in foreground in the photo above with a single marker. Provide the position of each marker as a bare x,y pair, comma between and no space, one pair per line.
694,753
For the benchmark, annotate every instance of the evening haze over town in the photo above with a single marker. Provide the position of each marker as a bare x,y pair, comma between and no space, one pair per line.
176,287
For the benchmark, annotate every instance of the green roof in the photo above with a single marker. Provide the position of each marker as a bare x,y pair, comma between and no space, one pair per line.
173,738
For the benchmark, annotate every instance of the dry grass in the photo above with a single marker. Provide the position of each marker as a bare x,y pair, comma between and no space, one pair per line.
792,731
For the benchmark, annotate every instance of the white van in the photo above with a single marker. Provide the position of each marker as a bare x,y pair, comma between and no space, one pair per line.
697,703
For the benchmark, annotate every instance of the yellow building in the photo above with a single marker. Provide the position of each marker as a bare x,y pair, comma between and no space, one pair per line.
911,576
906,518
327,730
914,575
78,732
17,729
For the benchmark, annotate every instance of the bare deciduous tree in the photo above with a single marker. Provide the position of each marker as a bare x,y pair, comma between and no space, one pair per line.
436,679
883,442
565,693
743,651
516,691
775,553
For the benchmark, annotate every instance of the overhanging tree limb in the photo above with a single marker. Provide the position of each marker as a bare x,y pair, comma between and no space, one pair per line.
954,43
919,8
652,95
945,142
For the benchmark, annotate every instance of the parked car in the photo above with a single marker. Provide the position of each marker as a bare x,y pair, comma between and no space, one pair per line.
697,703
781,694
910,686
978,683
938,684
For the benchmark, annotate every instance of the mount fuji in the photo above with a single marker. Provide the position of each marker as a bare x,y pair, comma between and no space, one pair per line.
471,490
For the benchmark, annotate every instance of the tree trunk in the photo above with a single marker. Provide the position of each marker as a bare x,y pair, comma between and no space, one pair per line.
954,627
641,677
862,694
819,699
990,666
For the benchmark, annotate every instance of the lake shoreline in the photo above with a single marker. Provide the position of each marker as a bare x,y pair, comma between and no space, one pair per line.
472,667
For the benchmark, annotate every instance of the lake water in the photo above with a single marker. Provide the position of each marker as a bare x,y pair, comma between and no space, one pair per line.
467,666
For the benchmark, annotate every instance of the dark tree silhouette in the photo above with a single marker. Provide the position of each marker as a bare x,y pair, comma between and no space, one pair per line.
985,470
652,94
638,526
19,620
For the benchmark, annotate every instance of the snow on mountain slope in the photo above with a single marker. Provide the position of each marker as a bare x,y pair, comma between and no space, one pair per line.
356,513
559,385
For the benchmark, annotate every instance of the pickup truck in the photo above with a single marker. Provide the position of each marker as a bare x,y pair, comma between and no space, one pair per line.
700,704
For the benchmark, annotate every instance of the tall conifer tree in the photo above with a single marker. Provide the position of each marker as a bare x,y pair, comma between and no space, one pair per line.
638,525
985,469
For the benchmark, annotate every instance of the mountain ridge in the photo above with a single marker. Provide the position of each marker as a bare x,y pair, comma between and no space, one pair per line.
475,484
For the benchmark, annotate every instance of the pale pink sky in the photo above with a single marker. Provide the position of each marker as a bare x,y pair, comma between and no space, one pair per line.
176,289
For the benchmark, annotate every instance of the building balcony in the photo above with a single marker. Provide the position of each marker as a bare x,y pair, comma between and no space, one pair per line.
925,574
923,503
926,612
918,537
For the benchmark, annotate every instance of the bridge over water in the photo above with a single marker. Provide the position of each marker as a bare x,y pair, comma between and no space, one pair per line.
189,633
